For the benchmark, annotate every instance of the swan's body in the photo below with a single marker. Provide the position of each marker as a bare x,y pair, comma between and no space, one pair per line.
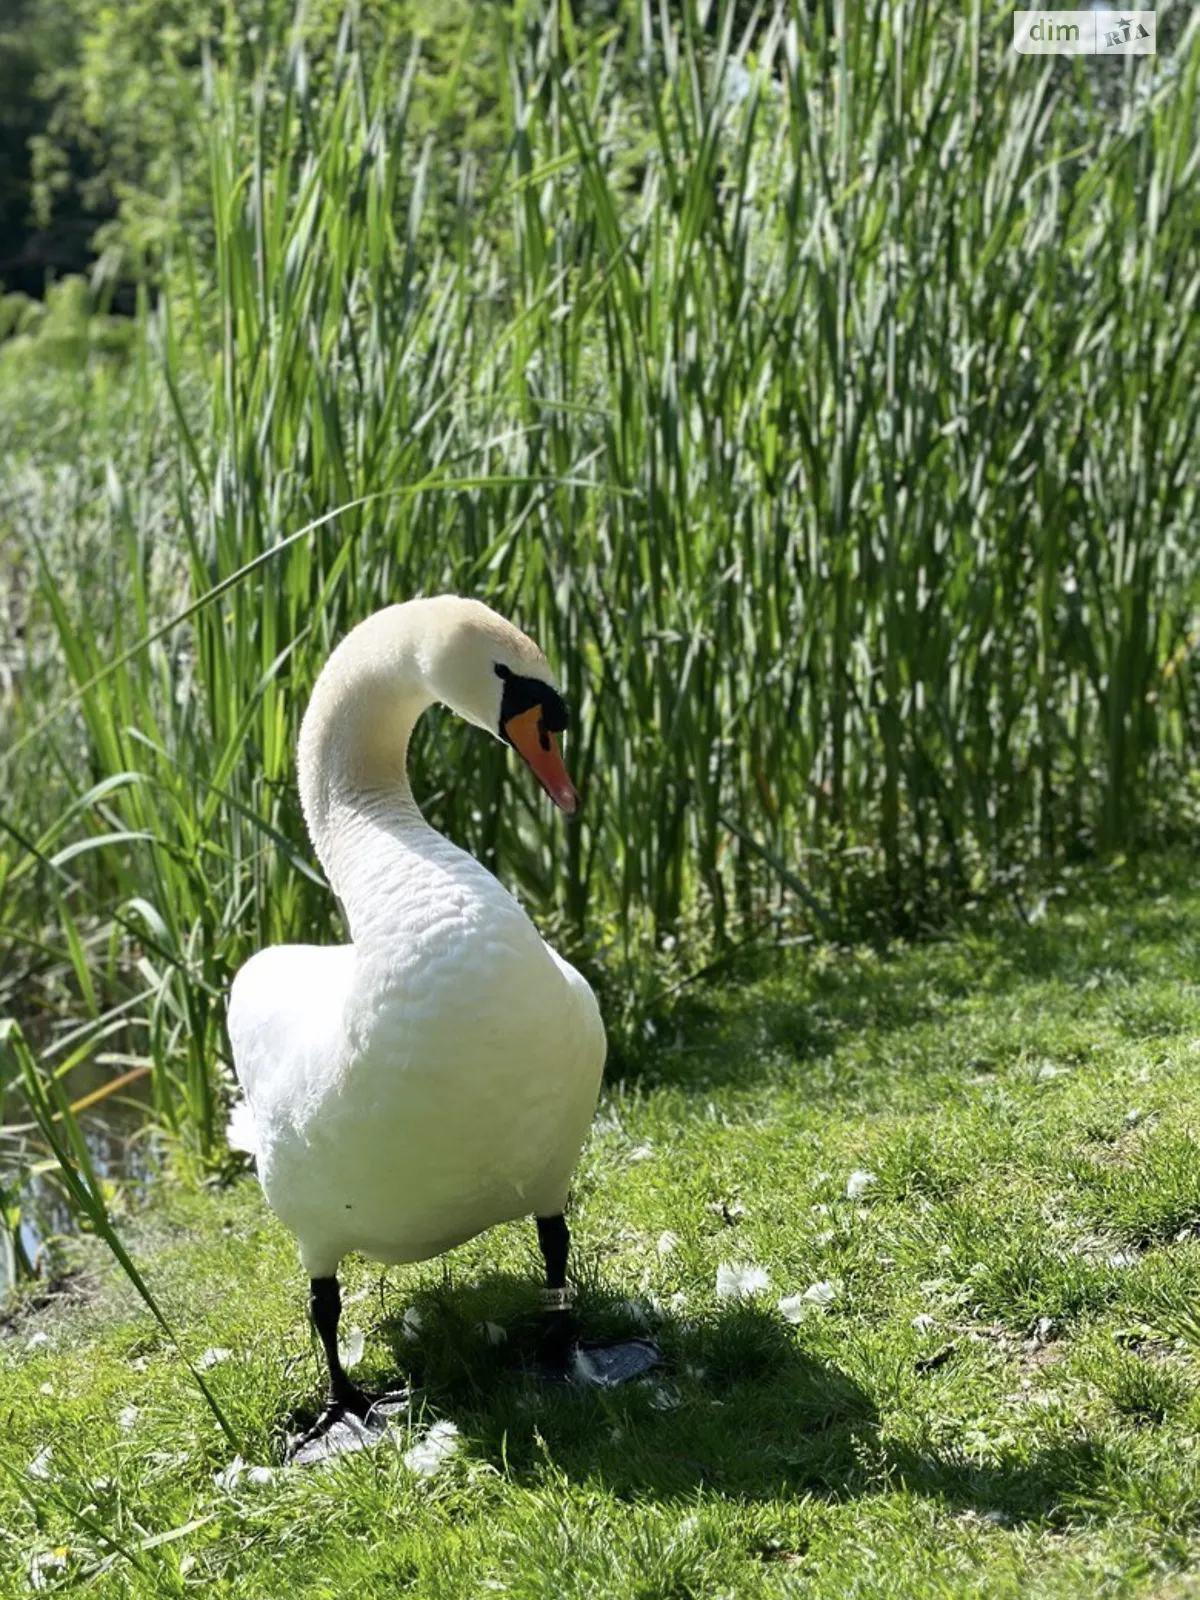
438,1075
409,1092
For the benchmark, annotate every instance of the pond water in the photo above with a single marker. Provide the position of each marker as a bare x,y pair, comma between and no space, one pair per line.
120,1142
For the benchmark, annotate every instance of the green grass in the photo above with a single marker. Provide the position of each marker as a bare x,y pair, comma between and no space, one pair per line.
1024,1094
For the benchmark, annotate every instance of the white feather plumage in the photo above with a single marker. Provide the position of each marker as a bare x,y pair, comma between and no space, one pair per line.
437,1075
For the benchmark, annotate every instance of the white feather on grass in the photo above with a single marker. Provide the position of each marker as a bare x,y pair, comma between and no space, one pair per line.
736,1279
434,1451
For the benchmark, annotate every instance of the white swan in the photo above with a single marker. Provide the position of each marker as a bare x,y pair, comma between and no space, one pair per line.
437,1075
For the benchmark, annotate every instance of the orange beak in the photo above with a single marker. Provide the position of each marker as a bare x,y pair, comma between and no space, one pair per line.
531,741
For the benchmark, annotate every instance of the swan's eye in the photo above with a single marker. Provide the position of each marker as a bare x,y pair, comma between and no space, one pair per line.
521,695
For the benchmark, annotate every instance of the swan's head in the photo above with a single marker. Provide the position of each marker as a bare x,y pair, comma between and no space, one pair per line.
494,676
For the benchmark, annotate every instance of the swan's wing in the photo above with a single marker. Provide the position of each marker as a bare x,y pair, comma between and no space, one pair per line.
572,1061
287,1033
593,1041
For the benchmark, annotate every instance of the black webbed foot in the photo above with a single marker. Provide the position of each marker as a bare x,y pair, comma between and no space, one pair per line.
352,1417
606,1364
355,1419
564,1357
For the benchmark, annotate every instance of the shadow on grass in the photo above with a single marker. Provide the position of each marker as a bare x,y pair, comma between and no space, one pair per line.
739,1410
794,1007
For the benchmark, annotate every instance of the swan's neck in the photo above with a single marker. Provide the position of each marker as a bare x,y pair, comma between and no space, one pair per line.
353,768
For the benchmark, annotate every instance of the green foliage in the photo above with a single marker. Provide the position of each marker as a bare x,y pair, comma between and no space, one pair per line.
17,63
62,331
126,97
36,39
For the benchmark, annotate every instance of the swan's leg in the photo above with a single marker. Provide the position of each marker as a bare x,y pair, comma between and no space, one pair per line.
563,1353
558,1324
346,1419
325,1309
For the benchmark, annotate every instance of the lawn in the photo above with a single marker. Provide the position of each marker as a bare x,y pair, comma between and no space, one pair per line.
967,1168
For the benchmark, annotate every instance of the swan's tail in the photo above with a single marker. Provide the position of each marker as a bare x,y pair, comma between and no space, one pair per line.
240,1132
